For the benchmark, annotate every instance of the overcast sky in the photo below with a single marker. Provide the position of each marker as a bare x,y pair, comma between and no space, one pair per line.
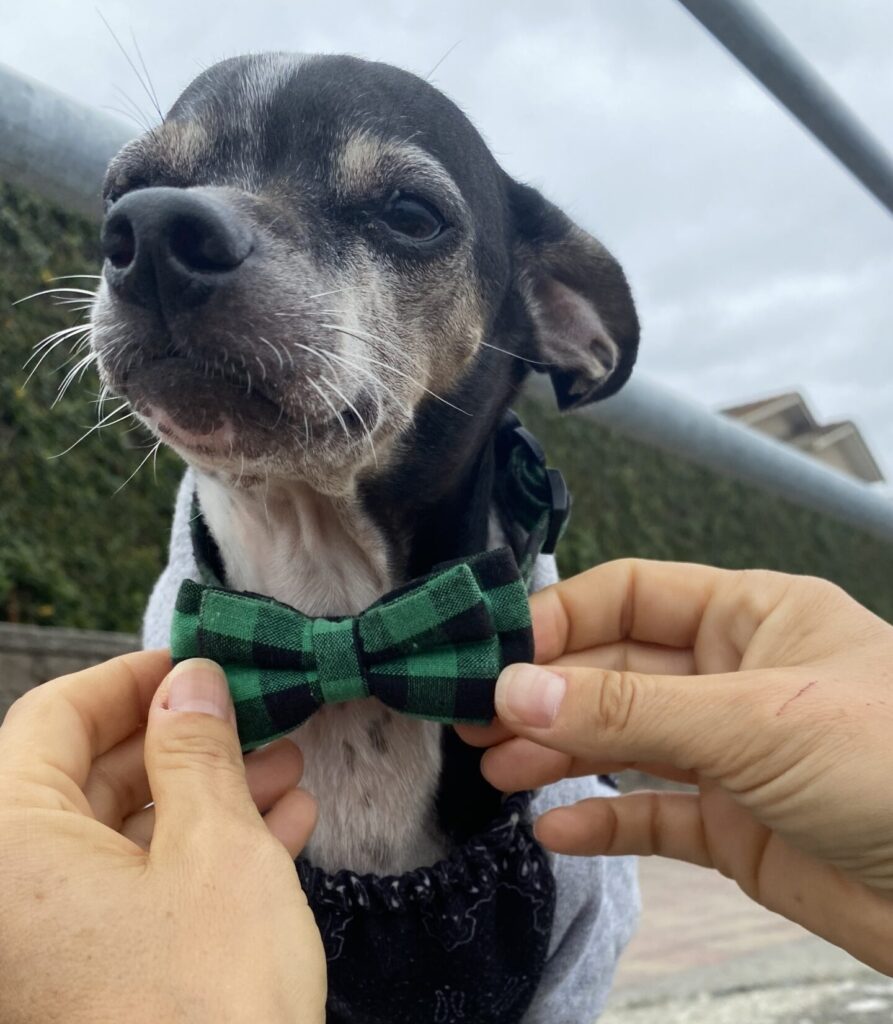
757,263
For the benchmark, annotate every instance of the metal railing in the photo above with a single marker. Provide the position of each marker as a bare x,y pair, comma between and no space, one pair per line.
59,148
54,145
771,59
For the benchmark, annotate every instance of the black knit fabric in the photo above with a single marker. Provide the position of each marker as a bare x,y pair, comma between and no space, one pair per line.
462,941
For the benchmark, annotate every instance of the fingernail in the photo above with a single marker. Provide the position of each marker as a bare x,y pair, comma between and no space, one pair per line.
529,695
199,685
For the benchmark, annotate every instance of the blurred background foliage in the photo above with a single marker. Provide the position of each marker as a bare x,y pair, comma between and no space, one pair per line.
77,551
633,501
72,551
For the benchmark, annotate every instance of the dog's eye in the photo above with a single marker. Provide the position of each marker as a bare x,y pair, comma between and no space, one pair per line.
412,217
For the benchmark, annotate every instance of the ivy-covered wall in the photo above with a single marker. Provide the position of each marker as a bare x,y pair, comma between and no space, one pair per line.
77,551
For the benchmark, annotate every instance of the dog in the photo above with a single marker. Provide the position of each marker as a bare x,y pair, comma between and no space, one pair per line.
321,290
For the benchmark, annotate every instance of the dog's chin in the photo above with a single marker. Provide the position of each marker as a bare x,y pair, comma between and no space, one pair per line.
242,438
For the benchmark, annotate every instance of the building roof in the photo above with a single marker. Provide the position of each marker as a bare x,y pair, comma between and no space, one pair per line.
840,442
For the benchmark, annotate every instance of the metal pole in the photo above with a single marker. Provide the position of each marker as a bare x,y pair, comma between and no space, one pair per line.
770,58
658,417
54,145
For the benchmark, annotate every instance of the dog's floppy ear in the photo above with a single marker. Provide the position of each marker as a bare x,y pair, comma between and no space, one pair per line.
584,322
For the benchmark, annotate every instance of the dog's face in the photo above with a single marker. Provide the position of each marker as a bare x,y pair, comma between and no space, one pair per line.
309,249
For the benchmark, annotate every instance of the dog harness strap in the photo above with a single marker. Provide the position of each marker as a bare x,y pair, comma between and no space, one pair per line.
431,649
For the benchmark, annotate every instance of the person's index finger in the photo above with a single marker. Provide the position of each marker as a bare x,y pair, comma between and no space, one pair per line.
70,721
630,599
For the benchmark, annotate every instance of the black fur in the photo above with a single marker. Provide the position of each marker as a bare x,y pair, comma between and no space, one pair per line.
266,134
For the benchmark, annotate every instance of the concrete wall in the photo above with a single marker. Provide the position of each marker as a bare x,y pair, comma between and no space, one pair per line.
30,655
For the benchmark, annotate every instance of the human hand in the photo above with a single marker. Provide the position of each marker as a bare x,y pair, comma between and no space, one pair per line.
773,694
208,924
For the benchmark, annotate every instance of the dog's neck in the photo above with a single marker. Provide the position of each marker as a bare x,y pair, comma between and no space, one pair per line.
375,774
287,541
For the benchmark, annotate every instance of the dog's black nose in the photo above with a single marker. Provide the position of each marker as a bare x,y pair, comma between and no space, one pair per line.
171,247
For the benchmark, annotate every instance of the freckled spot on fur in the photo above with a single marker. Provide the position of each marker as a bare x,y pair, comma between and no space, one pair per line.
350,756
377,738
366,800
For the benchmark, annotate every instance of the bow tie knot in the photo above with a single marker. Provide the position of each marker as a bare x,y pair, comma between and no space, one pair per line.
432,649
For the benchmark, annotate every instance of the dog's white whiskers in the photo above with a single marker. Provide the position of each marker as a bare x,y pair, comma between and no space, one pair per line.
85,308
354,410
153,94
437,65
267,498
101,399
54,291
133,111
289,355
155,462
106,421
367,336
306,315
276,351
57,336
150,93
328,402
140,122
393,369
524,359
150,454
81,366
328,355
49,345
379,386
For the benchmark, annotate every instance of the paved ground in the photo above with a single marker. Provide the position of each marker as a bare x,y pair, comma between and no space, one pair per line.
706,955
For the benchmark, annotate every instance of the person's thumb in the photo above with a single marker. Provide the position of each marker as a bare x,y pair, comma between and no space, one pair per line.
690,722
193,757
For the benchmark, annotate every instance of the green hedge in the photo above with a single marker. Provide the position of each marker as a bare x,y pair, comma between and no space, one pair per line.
632,501
74,552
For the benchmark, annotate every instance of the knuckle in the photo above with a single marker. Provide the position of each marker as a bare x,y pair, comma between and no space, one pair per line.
618,698
758,590
208,750
31,700
820,594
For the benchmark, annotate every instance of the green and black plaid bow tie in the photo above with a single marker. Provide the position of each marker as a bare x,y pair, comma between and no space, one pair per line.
431,649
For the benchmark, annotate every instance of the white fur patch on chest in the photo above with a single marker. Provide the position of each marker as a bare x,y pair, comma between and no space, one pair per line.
374,773
315,553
